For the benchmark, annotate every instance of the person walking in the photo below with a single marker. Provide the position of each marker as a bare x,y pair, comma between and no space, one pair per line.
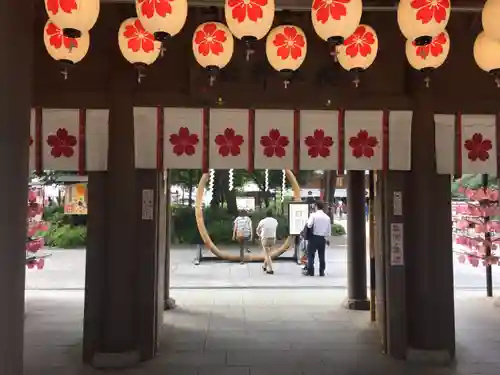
242,232
321,229
266,230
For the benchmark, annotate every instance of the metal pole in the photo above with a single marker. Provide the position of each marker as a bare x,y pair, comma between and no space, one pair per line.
487,237
371,243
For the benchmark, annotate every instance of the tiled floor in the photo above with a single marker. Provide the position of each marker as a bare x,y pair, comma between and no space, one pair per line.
257,332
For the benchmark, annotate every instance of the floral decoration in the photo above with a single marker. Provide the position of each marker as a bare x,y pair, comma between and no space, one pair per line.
57,39
62,143
478,147
318,144
359,43
326,9
435,48
243,9
363,145
151,7
431,10
229,143
138,37
67,6
274,144
210,39
184,142
290,43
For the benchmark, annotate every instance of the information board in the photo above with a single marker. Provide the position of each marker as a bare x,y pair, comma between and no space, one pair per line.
298,213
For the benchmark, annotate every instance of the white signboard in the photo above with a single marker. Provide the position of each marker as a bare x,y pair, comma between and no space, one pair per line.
397,255
298,213
147,204
245,203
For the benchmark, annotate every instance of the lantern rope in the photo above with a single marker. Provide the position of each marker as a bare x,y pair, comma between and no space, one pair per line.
231,179
211,182
283,185
266,179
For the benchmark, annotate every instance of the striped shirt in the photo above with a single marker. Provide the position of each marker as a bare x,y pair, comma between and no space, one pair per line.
243,226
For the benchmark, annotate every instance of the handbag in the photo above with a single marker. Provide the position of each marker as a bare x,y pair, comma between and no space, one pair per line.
307,232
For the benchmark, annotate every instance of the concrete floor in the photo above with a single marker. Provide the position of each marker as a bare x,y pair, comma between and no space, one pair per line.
257,332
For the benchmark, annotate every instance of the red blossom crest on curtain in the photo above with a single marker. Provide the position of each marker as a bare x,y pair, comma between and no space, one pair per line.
229,143
62,143
274,144
184,142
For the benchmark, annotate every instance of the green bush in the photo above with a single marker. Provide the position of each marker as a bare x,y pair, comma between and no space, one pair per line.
338,230
66,236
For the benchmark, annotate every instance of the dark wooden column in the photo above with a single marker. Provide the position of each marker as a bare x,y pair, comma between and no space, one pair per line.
121,314
356,242
15,102
428,243
168,302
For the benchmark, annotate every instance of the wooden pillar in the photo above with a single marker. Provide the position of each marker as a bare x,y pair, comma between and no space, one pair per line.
356,242
168,301
15,103
121,305
428,244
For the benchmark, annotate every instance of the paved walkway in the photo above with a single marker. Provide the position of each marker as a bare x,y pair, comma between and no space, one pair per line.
257,332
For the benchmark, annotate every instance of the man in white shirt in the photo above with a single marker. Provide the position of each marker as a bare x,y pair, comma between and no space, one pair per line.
321,227
266,230
242,232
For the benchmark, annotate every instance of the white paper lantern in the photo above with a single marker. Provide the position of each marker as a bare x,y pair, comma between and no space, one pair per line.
359,50
73,16
430,56
286,48
336,20
62,48
491,19
422,20
249,19
136,44
487,53
162,18
213,45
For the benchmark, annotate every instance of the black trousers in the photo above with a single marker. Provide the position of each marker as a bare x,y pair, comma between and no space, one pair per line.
316,243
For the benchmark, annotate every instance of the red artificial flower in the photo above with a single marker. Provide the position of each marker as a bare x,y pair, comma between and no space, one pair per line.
229,143
359,43
62,143
184,142
57,39
247,8
478,147
289,43
330,8
429,10
363,145
435,48
318,144
160,7
67,6
139,38
209,39
462,258
274,144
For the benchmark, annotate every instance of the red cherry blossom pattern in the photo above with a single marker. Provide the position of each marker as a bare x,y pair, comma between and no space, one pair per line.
359,43
229,143
274,144
435,48
210,39
431,10
247,9
139,38
66,6
151,7
363,145
478,147
57,39
290,43
318,144
326,9
184,142
62,143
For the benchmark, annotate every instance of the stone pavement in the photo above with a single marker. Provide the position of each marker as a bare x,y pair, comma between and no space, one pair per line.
257,332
